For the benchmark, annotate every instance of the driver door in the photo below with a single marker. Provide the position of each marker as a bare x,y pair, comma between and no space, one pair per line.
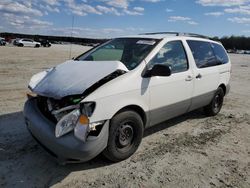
170,96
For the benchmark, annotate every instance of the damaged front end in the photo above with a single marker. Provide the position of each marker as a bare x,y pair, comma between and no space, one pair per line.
69,114
69,147
59,118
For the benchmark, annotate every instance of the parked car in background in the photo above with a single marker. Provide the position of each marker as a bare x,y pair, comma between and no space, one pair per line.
27,43
45,43
2,42
247,52
231,51
14,41
103,100
240,51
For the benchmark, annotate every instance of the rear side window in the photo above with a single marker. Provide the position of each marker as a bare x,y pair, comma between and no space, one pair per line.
203,53
220,53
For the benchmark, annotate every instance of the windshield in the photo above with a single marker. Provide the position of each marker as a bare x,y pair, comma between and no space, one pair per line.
130,51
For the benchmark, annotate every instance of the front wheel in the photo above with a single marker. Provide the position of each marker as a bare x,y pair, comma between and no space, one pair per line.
125,135
215,106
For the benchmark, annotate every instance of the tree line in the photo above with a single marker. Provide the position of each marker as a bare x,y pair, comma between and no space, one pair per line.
76,40
235,42
232,42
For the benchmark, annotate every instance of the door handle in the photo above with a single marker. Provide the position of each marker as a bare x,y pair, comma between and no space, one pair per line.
198,76
188,78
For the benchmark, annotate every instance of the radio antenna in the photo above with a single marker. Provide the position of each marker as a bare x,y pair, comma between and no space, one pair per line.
72,27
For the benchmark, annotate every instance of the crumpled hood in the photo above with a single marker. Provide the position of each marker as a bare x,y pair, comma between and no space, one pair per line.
74,77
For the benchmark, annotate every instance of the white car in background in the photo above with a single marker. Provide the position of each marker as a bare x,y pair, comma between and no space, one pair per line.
28,43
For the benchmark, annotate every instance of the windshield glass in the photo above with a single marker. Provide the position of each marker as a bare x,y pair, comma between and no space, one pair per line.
130,51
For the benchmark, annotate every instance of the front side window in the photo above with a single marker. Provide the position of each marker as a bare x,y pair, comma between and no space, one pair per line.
27,40
130,51
203,53
172,54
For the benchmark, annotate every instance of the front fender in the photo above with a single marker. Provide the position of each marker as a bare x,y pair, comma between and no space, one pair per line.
107,107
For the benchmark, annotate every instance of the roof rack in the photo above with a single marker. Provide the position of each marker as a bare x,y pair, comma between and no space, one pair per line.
178,34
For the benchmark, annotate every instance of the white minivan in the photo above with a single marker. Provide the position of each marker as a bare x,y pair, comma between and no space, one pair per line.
103,100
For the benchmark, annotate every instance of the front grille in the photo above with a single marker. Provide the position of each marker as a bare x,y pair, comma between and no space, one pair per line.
43,107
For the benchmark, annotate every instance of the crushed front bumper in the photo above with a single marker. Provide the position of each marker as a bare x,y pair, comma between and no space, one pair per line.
68,148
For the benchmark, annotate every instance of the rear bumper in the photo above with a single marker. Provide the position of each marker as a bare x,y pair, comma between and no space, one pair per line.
66,148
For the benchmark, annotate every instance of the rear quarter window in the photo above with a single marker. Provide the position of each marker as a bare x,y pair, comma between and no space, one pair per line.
220,53
203,53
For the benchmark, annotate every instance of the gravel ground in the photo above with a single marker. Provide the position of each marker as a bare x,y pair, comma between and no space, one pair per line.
188,151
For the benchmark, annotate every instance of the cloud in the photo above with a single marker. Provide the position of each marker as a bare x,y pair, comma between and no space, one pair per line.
52,2
115,7
239,10
178,18
152,1
18,8
214,14
108,10
24,21
169,10
139,9
49,8
192,23
133,12
26,15
246,31
81,9
182,19
239,20
117,3
222,2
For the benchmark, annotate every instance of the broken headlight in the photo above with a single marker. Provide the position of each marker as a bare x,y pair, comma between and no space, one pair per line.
67,123
87,108
77,120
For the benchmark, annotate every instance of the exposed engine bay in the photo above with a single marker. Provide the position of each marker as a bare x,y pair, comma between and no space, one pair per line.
61,90
55,109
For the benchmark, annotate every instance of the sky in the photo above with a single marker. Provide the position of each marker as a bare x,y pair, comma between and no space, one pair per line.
113,18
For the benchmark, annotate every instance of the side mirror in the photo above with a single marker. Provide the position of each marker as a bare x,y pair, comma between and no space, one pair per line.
157,70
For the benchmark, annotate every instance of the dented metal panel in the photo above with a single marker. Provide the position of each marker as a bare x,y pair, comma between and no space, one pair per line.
74,77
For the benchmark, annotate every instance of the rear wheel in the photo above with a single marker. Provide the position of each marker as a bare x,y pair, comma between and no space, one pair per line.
20,45
125,135
215,106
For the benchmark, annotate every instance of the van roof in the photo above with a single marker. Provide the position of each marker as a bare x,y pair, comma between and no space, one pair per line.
162,35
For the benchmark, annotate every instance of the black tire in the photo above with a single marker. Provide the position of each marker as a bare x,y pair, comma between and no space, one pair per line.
20,45
125,135
37,46
215,105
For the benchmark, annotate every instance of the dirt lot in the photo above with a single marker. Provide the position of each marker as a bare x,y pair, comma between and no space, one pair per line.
188,151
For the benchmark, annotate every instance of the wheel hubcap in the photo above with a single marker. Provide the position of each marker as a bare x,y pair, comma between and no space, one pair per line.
217,102
125,136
